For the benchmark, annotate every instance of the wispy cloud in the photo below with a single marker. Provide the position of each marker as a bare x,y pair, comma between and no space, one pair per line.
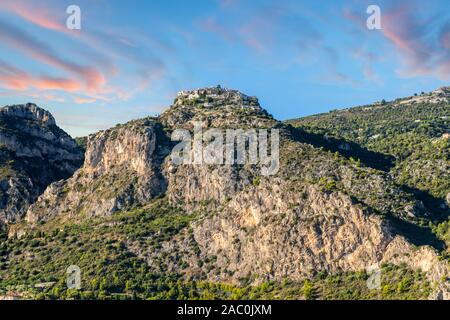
22,41
37,14
102,47
445,36
258,31
413,36
210,24
368,59
82,100
14,78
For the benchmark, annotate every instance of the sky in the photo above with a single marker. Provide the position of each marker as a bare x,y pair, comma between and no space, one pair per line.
130,58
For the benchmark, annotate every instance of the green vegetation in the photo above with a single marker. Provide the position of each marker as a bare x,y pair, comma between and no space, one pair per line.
397,282
384,157
414,134
100,247
327,184
35,265
81,142
256,181
442,230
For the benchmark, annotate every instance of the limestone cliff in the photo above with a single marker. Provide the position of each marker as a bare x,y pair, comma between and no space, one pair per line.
33,153
121,170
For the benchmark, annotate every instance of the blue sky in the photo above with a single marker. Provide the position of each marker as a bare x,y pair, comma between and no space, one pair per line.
130,58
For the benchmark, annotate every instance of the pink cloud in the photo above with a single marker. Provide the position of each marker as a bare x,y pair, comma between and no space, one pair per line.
51,83
80,100
406,33
25,43
54,98
44,17
109,43
414,39
13,78
39,15
103,46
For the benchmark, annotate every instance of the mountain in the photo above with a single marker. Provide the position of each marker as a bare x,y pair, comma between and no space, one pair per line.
140,226
34,152
413,131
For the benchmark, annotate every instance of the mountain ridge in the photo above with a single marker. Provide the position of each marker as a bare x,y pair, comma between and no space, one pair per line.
324,211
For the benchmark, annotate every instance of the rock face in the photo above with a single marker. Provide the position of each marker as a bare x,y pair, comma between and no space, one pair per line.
216,108
121,169
268,233
321,211
129,165
33,153
30,112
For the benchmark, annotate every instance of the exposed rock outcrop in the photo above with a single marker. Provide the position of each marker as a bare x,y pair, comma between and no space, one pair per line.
29,111
121,170
283,229
33,153
216,108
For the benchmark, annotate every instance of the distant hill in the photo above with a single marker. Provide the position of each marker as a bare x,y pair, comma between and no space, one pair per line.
415,130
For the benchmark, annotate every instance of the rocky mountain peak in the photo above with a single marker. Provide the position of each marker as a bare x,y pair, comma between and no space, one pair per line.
215,97
29,111
34,152
216,107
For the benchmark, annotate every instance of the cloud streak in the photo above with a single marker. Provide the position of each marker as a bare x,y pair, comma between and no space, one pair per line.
13,78
38,15
28,45
414,38
102,48
257,31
